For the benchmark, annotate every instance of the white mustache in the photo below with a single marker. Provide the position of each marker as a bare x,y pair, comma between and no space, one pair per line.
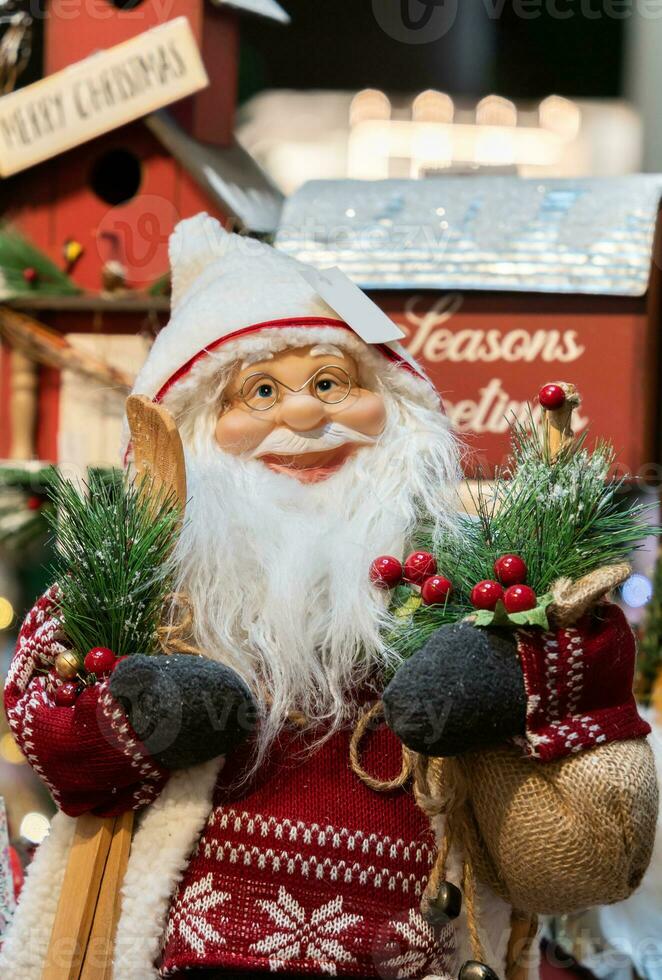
284,442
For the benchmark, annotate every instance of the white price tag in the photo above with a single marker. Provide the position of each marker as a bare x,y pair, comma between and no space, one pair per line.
352,305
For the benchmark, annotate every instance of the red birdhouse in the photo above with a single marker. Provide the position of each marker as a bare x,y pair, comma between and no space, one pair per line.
102,212
119,196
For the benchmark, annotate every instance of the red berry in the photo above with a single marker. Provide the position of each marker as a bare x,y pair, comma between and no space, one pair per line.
30,275
486,594
66,694
436,589
34,503
551,397
99,660
519,598
419,565
386,572
510,569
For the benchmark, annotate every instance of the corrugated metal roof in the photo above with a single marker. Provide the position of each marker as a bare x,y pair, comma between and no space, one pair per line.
592,235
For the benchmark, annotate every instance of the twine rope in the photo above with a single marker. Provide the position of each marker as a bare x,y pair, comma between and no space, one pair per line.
470,903
439,787
365,721
176,630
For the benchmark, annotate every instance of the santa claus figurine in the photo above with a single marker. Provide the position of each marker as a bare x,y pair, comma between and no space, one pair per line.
258,849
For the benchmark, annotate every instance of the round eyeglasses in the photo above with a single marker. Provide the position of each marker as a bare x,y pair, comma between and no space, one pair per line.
330,384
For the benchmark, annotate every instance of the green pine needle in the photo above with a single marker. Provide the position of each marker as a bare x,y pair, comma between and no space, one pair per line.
161,286
30,478
114,545
18,254
565,519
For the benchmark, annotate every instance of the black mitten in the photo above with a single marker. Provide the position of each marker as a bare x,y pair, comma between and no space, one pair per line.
463,690
184,709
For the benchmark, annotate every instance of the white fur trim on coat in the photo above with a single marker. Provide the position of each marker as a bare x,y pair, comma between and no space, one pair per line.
164,841
159,856
160,851
26,941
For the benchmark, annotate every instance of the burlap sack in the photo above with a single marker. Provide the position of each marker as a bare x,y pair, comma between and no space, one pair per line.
560,837
549,838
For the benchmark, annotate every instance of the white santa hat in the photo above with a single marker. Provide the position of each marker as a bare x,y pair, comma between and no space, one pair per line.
233,297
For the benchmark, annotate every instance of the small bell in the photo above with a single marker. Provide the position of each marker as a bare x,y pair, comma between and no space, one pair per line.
446,906
67,665
473,970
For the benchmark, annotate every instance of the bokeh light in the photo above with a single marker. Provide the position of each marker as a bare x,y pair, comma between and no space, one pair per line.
6,613
9,750
637,590
34,827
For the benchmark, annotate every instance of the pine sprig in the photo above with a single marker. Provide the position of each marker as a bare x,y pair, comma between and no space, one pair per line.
565,519
18,254
30,477
114,544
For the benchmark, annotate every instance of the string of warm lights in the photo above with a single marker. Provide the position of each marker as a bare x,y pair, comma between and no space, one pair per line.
436,134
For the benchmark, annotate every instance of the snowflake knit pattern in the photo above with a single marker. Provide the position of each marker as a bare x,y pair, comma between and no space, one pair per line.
307,871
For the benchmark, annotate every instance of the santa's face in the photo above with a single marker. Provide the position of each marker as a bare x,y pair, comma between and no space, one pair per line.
276,564
303,412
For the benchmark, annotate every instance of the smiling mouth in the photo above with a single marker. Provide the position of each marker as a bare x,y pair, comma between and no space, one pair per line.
310,467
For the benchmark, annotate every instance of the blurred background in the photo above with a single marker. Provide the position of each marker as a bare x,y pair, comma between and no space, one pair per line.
508,156
584,74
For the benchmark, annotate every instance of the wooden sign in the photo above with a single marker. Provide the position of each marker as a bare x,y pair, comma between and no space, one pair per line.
489,353
98,94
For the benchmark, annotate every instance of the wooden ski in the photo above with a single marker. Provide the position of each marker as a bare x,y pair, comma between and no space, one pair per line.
81,944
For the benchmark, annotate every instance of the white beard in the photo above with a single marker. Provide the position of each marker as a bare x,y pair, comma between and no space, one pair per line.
278,571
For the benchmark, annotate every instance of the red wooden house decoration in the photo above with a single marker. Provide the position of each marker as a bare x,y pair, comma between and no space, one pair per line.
502,284
120,195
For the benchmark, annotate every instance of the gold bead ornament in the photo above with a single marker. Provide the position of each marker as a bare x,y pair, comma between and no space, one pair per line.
67,665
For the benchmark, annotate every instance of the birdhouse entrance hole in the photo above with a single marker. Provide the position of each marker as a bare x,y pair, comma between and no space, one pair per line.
115,176
125,4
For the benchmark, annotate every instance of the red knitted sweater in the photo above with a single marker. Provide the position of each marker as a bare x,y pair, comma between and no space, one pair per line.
306,870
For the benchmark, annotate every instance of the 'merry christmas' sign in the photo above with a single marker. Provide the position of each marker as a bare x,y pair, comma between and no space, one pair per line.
98,94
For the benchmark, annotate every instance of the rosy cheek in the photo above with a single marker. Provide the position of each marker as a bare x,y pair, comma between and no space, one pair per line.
366,413
238,432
